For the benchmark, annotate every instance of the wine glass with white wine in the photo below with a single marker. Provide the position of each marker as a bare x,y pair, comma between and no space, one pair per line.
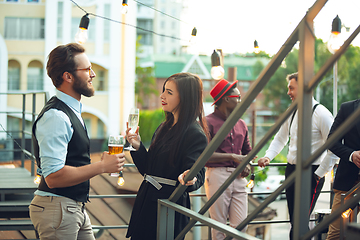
133,123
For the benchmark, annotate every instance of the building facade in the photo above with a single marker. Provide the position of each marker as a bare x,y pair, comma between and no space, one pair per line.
30,29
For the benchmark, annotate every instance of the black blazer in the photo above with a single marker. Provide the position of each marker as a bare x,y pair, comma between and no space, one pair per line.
347,172
143,222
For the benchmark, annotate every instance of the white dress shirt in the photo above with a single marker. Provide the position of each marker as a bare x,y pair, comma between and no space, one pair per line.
321,124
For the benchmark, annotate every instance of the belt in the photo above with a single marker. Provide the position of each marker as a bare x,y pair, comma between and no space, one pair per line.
155,181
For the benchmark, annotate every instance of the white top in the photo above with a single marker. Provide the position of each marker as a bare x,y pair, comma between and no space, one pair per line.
321,124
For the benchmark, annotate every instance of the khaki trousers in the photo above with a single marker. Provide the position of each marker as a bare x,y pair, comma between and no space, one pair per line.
60,218
232,204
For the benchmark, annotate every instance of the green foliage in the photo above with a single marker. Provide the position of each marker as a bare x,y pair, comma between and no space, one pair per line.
260,174
348,78
280,158
149,120
145,84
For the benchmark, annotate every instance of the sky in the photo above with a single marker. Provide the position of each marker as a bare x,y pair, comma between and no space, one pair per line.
233,25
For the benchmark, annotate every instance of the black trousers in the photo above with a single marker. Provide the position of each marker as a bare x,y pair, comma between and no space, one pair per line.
290,193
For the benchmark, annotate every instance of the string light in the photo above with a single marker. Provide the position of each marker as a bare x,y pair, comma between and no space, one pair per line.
121,180
125,7
217,71
193,36
256,47
347,213
37,179
130,25
251,182
335,40
82,35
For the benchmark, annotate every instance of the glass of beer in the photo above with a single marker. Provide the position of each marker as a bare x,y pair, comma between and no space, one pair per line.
116,145
133,123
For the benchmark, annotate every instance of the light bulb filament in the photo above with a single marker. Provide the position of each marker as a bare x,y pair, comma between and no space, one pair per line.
250,184
37,179
121,181
347,213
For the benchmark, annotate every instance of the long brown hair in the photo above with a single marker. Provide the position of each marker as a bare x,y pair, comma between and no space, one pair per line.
190,109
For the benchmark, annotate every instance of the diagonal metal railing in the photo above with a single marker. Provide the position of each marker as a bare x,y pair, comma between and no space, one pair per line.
304,33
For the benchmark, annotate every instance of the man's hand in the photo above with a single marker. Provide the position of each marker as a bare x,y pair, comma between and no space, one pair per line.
356,158
112,163
246,171
263,162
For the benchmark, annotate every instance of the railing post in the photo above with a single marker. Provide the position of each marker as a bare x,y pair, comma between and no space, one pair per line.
23,130
165,223
32,147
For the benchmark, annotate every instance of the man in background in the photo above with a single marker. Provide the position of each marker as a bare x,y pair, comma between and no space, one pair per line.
348,149
321,123
233,203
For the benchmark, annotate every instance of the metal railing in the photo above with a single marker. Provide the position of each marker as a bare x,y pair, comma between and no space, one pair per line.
306,81
24,133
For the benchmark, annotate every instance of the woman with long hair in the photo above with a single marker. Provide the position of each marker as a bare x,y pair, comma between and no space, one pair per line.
176,145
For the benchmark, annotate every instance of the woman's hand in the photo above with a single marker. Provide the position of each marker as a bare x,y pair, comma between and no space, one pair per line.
189,183
133,138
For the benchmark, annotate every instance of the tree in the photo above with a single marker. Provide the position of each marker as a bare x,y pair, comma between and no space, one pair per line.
145,84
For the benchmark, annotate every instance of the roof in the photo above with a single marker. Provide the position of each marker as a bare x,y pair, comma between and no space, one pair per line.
167,65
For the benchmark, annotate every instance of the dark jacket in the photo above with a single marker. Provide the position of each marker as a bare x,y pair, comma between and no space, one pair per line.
78,152
155,162
347,172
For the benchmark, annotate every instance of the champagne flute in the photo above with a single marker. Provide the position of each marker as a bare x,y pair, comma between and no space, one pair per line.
116,146
133,123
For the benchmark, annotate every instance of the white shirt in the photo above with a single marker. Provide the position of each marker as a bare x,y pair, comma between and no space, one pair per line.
321,124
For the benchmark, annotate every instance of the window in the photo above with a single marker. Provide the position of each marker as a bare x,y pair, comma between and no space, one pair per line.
24,28
100,76
35,76
107,23
60,20
13,75
146,37
35,79
100,129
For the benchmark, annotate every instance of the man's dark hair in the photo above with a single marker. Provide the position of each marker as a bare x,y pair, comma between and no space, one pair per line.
61,59
291,76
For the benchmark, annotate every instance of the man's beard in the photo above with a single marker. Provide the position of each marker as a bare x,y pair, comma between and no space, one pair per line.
82,87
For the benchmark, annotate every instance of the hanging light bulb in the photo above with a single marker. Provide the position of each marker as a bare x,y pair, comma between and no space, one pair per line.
125,7
335,41
37,179
251,181
256,47
82,35
121,180
347,213
332,175
193,36
217,71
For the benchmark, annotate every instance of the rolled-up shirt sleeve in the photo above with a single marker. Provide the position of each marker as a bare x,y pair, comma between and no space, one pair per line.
53,132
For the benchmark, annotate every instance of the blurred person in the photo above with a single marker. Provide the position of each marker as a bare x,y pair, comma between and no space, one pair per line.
321,123
62,150
233,202
347,149
176,145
